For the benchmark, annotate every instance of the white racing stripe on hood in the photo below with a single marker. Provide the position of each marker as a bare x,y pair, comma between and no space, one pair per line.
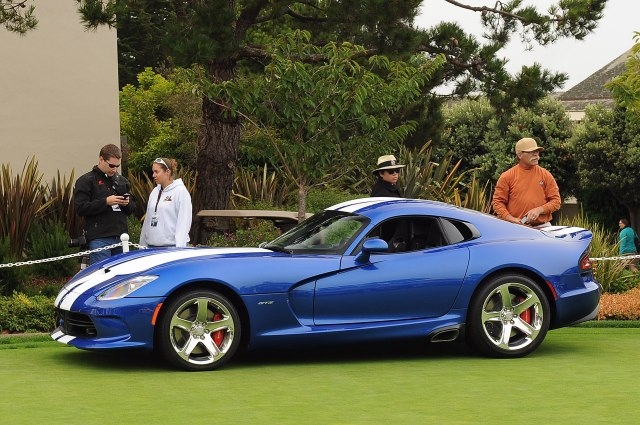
67,296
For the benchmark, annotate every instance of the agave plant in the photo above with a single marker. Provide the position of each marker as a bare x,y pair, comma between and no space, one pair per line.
426,179
61,209
21,201
261,187
474,195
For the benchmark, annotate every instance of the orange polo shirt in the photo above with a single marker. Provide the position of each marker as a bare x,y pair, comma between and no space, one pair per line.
520,189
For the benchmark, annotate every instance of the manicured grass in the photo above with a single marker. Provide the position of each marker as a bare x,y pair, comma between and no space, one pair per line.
579,375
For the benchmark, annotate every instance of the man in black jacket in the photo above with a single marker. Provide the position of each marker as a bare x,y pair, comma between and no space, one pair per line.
387,173
102,197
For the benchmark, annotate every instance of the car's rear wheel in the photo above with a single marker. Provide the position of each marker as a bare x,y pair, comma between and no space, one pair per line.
199,330
508,317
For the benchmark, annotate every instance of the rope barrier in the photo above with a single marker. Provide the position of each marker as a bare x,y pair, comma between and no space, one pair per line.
125,248
124,238
619,257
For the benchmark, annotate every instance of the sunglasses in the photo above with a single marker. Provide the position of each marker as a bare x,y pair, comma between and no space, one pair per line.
112,166
161,161
393,171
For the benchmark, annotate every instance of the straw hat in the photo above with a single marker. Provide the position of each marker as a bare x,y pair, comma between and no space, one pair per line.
387,162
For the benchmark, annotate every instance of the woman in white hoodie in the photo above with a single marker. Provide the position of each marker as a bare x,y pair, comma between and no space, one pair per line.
169,212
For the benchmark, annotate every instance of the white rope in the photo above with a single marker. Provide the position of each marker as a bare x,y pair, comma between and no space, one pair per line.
125,248
125,245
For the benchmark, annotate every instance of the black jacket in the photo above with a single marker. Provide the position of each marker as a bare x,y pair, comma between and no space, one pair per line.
386,189
90,201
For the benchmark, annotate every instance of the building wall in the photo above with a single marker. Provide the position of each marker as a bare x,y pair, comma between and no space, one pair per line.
59,91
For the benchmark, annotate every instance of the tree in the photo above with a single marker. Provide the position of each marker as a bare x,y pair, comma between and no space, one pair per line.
141,26
318,112
221,36
626,87
607,152
474,133
16,16
159,116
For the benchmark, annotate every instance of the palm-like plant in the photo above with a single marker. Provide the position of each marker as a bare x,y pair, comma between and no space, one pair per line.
61,208
474,195
612,275
426,179
21,200
262,187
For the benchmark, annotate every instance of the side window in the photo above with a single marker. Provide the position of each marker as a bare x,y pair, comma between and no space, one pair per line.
394,232
458,231
426,233
406,234
409,234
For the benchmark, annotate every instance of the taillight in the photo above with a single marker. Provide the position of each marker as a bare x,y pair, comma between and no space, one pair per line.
585,262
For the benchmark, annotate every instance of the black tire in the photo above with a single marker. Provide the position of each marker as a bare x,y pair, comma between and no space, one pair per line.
199,330
509,316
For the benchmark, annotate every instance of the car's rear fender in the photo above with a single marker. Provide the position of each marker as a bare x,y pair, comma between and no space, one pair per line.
554,266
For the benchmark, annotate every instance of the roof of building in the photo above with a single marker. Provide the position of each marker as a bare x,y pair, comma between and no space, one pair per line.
592,89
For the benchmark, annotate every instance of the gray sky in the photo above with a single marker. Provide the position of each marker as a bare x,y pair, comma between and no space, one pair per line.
578,59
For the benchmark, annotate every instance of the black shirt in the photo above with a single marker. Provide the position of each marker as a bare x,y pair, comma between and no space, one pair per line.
90,201
386,189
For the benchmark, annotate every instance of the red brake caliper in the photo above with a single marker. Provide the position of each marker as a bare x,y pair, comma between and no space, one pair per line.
218,336
525,315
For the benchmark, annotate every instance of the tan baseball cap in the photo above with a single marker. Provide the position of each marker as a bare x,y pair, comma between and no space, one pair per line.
527,144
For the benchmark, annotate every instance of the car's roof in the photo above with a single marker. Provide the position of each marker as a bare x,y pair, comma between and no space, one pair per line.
380,209
401,206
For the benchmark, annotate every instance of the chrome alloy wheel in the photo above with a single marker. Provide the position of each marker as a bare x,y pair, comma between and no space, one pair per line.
512,316
202,330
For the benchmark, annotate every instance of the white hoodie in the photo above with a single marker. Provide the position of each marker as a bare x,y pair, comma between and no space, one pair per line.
170,209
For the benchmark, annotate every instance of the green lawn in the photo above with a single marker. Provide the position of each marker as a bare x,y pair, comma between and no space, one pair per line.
578,376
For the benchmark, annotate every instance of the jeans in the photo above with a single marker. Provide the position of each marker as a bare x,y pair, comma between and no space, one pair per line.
106,253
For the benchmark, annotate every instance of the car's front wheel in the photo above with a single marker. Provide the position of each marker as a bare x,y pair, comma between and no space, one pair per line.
199,330
508,317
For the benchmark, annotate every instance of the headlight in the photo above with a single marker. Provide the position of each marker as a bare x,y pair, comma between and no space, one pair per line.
123,289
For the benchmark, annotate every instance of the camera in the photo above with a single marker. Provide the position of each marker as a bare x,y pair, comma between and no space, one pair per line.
79,241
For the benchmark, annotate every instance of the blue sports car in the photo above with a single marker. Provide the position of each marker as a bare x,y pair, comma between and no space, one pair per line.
365,270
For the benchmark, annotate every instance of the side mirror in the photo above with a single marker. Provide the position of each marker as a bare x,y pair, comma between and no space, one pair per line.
371,246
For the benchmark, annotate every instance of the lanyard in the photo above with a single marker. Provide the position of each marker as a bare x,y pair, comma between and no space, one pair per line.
158,201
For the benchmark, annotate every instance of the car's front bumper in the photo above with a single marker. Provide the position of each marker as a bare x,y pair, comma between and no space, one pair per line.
102,326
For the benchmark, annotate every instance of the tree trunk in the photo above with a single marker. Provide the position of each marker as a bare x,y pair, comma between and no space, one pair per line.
217,155
302,202
634,217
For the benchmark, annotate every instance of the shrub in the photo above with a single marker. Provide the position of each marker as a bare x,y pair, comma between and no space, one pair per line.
135,228
21,201
320,198
48,239
261,186
611,274
59,196
257,232
20,313
10,277
624,306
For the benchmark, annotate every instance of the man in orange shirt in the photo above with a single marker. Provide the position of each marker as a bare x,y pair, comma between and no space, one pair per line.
527,193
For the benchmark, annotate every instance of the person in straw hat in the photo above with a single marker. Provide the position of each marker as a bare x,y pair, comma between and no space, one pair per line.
527,193
387,173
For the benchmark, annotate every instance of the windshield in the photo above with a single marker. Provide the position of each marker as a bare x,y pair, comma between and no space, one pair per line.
329,232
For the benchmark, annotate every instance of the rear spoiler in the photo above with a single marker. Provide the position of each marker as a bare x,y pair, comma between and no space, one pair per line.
567,232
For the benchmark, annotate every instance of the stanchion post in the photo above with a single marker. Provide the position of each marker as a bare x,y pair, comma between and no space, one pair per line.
125,242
